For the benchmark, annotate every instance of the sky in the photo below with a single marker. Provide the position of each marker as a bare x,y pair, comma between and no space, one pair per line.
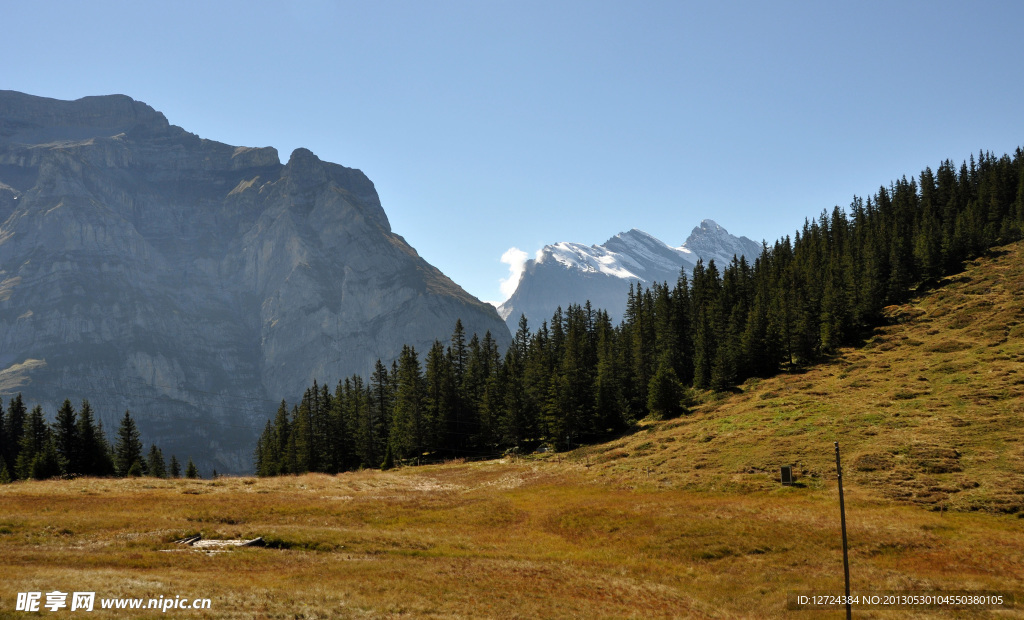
491,128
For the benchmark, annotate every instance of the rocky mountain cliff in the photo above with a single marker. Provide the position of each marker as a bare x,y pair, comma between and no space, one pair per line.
193,282
573,273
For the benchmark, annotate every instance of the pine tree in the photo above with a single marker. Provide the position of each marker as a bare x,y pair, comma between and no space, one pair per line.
491,395
67,440
1017,219
155,462
261,455
175,467
639,336
833,314
492,408
760,342
382,402
106,451
578,364
343,421
665,393
899,276
14,428
682,346
461,407
190,469
46,463
474,383
367,428
109,447
321,407
609,404
302,435
537,376
438,399
291,453
93,451
282,461
518,411
128,449
705,294
34,439
407,423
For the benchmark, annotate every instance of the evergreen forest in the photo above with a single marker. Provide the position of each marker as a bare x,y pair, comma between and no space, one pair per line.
578,378
75,444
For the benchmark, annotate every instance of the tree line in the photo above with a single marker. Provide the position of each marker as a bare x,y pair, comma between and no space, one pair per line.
578,378
75,444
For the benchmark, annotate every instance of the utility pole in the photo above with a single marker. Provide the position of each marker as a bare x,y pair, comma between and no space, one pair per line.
842,517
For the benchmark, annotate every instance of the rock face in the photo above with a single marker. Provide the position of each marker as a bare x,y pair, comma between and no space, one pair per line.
573,273
193,282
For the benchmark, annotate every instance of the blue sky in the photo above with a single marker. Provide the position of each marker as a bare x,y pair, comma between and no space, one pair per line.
488,125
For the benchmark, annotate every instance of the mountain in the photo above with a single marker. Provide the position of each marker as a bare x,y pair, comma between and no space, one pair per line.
567,273
192,282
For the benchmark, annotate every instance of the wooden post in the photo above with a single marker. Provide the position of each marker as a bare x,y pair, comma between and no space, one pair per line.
842,517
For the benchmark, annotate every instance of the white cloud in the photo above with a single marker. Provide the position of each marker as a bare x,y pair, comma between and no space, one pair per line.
516,261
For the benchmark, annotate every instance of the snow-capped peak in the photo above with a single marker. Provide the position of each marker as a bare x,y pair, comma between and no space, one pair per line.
592,259
566,272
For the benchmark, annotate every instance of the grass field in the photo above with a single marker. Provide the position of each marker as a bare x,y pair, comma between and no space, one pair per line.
684,518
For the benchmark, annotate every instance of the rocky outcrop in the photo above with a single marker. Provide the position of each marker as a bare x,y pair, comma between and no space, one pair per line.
193,282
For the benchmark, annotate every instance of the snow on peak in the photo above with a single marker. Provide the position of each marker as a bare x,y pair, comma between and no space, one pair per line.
569,272
638,254
636,233
593,259
633,254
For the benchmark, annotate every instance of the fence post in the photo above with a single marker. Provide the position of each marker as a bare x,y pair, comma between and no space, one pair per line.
842,518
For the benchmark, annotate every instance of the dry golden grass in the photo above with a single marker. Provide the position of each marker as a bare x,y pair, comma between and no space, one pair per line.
497,539
683,519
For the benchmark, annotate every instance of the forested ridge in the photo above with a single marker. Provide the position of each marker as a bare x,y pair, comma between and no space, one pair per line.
577,378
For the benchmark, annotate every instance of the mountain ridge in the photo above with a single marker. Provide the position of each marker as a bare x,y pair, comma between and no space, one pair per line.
564,273
205,281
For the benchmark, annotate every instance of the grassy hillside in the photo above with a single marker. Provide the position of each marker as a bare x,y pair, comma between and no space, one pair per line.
930,411
683,519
